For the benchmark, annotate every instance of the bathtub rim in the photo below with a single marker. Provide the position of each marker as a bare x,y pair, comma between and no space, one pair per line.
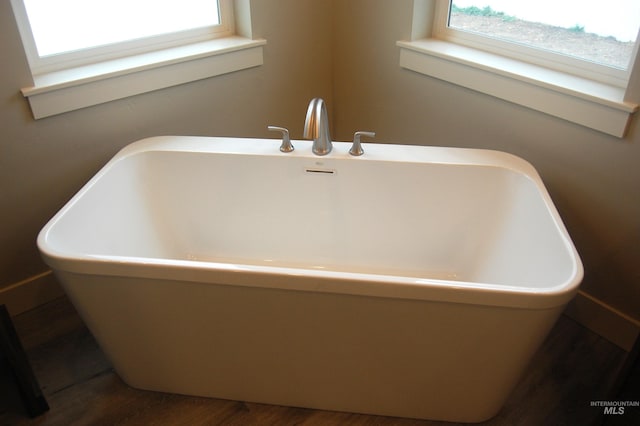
309,280
322,280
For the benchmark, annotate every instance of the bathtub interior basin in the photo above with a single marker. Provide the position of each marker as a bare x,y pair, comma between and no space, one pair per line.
411,281
418,217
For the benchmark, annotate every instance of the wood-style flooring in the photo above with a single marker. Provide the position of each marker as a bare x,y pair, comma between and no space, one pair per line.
571,369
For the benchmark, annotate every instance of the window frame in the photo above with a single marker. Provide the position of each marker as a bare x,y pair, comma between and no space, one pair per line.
603,107
46,64
142,70
520,51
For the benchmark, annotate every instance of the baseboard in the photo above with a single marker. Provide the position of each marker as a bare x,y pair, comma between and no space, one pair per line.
604,320
30,293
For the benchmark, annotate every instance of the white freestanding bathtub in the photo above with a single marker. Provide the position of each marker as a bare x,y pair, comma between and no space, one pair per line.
412,281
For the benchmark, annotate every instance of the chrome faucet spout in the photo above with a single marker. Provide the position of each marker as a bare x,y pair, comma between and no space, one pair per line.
316,127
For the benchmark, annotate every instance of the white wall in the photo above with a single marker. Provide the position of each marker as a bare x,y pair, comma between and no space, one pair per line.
345,52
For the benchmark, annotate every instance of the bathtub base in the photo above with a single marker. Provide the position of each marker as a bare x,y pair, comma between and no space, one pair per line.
382,356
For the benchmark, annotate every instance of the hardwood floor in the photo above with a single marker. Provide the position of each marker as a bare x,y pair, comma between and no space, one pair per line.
572,368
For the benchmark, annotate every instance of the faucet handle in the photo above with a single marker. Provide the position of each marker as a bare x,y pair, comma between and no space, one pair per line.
356,148
286,145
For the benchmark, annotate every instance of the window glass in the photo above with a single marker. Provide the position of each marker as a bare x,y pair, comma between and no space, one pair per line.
61,26
593,30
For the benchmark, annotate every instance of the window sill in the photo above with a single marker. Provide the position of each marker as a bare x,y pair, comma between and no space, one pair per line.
578,100
89,85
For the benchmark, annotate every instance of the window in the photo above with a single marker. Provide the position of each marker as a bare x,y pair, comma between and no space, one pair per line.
83,53
571,59
71,32
576,36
